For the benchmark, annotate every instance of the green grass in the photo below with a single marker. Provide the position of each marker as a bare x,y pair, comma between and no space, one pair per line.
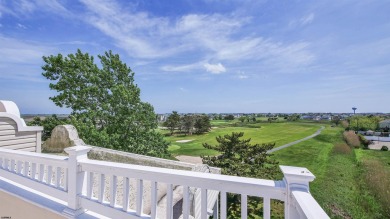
339,186
280,133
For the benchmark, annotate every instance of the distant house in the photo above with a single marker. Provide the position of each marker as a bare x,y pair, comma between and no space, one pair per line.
308,117
384,123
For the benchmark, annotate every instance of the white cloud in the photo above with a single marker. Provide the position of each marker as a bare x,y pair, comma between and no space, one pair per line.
21,26
215,68
181,68
183,89
18,51
241,75
213,37
21,8
136,32
25,6
307,19
19,57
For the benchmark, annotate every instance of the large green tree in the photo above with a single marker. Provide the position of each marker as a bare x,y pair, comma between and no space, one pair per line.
238,157
187,123
173,121
202,124
105,102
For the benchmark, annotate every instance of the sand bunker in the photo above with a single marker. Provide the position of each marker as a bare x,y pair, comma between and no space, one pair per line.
184,141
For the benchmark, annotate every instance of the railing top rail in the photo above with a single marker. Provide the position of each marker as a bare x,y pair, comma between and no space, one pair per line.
242,185
308,206
57,160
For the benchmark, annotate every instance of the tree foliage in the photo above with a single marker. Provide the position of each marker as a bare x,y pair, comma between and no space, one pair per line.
229,117
173,121
202,124
49,123
187,123
364,123
105,102
240,158
336,120
293,117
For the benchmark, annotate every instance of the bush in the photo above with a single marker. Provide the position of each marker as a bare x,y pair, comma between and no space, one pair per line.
49,123
345,124
364,141
384,148
352,139
342,148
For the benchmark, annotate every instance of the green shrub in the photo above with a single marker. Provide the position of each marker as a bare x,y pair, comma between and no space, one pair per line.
364,141
49,123
342,148
352,139
384,148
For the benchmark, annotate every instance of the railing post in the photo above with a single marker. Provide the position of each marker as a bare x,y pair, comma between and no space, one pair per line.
296,179
76,179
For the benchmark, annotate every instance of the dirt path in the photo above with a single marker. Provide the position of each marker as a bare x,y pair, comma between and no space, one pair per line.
298,141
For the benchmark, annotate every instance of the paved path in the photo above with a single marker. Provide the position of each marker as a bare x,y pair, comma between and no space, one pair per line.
296,142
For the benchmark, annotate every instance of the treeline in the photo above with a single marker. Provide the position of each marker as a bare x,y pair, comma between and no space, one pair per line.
364,123
187,124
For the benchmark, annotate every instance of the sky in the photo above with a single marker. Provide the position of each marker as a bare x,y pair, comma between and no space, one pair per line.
206,56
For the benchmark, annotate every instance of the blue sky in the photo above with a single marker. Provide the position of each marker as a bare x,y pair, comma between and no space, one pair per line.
209,55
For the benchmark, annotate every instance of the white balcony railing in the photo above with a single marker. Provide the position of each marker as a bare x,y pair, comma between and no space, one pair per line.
106,189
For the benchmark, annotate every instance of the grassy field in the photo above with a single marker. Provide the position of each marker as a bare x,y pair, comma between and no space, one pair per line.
281,133
350,183
342,185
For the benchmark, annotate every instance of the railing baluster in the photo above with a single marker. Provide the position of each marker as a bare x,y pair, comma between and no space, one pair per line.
244,206
169,201
41,172
49,174
89,184
65,178
153,191
126,190
26,168
101,188
186,202
140,192
33,170
19,167
113,190
223,205
58,177
6,164
203,198
12,167
266,208
216,209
